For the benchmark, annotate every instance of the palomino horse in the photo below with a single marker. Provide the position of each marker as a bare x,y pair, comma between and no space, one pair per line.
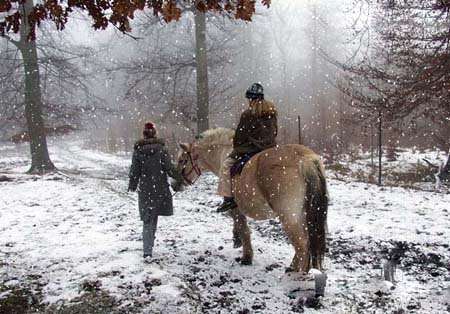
287,181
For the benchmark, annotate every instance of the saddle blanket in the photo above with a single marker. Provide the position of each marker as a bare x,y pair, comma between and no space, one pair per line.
237,167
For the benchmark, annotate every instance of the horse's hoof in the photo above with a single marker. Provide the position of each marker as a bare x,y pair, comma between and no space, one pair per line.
244,261
289,270
237,243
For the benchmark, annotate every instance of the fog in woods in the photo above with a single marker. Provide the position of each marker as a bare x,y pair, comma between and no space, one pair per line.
106,84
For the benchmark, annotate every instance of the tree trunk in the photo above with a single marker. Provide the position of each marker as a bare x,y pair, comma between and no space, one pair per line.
316,100
40,159
380,147
372,135
202,72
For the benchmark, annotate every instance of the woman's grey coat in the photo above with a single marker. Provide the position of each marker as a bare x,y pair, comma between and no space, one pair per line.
148,174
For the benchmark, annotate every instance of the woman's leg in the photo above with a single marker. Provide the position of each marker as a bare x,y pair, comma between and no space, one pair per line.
148,235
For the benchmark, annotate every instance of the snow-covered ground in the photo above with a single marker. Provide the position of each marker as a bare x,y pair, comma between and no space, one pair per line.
409,169
77,233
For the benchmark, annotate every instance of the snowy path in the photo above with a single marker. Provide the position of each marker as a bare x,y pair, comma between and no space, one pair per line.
63,231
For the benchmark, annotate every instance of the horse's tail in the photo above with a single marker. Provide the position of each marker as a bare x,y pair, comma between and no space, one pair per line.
316,206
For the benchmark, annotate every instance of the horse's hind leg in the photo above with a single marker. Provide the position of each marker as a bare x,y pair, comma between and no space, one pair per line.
298,235
237,243
242,230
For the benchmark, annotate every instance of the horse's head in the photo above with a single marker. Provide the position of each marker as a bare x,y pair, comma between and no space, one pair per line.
188,163
206,153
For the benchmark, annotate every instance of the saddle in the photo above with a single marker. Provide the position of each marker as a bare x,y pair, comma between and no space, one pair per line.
240,163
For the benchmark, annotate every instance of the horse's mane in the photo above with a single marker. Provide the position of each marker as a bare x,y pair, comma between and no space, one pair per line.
219,136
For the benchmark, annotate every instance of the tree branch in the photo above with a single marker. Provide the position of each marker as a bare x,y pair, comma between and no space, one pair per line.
13,41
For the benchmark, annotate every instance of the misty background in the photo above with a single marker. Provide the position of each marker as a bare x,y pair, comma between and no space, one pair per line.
106,84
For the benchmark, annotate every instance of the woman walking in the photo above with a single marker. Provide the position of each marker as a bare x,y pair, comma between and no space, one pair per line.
150,167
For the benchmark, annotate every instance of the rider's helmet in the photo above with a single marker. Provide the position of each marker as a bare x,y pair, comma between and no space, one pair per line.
255,92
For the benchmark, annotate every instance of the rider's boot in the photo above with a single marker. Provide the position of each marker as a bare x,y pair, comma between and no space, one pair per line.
228,203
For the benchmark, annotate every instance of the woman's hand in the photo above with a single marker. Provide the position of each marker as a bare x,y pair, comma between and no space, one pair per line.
177,185
130,189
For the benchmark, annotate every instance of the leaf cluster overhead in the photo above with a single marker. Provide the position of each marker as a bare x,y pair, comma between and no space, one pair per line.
116,12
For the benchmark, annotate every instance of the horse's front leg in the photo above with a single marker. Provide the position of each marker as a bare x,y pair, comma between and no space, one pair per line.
241,229
237,242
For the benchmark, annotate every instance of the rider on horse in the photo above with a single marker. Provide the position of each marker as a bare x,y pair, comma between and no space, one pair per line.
256,131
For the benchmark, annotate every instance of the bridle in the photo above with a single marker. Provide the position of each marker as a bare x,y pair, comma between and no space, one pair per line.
195,168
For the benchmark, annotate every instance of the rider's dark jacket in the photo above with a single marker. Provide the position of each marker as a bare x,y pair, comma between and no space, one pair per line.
257,129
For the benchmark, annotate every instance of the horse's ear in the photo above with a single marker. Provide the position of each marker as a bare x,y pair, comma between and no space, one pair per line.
185,146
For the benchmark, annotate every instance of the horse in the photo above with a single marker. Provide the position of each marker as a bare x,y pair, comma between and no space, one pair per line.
286,181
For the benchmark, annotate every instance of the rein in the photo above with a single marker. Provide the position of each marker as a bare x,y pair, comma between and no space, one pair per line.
195,168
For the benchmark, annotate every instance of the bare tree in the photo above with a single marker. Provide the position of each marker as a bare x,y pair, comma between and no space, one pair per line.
66,93
161,78
201,71
40,159
404,75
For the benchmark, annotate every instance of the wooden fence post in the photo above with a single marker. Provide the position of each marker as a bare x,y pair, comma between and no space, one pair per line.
300,140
